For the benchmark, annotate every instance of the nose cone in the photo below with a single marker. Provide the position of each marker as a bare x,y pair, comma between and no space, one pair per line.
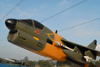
10,23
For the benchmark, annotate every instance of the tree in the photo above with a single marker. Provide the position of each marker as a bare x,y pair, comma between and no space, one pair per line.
30,63
1,60
25,59
43,63
53,63
97,62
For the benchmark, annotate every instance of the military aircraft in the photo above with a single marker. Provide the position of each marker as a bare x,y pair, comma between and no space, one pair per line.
37,38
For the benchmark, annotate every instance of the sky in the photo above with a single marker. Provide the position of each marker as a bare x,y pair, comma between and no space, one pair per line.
40,10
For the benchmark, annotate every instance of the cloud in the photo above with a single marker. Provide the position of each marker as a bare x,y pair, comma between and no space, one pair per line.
98,47
23,13
63,2
82,32
31,12
86,31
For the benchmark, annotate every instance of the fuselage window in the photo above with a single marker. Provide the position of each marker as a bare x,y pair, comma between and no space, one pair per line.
38,25
28,22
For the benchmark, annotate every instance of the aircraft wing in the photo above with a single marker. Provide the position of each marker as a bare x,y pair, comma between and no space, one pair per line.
81,49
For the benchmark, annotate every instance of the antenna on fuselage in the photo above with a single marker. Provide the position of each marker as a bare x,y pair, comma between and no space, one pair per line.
56,31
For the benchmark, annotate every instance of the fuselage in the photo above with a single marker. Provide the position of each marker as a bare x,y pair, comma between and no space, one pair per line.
37,38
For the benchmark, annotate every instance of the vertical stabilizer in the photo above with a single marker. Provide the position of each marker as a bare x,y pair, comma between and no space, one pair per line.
92,45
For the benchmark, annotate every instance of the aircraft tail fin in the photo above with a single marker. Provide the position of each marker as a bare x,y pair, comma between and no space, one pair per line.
93,44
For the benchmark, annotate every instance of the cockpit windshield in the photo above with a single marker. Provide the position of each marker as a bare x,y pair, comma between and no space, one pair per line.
32,23
28,22
38,25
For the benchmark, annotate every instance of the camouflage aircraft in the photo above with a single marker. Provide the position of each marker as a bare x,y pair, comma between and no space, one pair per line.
37,38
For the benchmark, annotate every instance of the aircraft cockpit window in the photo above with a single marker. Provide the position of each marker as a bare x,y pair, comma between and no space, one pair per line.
38,25
28,22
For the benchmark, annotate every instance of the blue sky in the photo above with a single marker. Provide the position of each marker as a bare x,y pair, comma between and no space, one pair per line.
42,9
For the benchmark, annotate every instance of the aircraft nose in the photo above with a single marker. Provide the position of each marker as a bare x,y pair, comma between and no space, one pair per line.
10,23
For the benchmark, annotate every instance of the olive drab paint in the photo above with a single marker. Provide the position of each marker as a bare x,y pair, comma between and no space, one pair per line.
37,38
